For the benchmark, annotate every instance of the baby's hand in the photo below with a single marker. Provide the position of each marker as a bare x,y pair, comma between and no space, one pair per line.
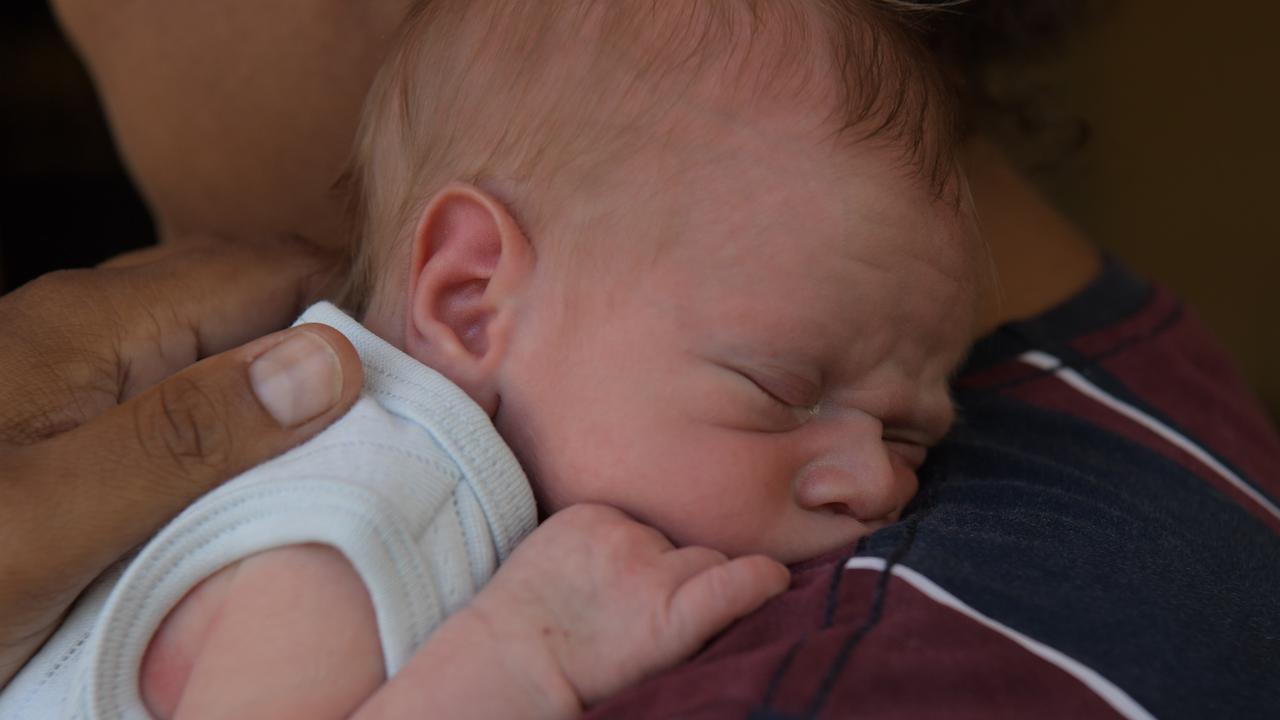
605,601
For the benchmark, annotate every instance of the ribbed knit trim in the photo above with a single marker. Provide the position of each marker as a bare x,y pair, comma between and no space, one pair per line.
412,390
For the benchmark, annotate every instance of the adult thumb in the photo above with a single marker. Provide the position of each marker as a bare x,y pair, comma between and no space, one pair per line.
112,482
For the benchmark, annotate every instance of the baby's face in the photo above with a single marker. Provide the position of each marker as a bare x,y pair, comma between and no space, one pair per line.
761,362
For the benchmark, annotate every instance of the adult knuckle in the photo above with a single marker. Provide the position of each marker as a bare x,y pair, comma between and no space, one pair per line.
43,301
72,308
56,285
185,426
62,365
62,298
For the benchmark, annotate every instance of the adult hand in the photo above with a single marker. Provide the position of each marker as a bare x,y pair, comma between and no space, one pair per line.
107,429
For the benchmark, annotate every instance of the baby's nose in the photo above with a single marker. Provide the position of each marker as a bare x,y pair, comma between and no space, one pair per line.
859,480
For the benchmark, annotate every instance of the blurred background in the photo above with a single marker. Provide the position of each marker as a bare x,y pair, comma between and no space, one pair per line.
1156,129
65,200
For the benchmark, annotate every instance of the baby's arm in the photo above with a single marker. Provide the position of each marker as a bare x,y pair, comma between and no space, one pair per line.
288,633
591,603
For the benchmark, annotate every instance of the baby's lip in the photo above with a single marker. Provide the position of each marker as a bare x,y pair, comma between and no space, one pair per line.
869,526
844,530
875,525
842,521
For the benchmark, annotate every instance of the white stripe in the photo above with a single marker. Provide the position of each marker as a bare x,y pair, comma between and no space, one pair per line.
1045,361
1112,695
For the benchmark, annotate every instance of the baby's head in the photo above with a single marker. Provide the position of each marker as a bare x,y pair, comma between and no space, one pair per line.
707,261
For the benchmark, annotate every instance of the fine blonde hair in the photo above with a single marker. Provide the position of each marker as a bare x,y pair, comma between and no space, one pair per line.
534,99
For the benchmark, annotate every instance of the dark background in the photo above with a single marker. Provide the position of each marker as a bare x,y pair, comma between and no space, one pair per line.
1177,175
65,200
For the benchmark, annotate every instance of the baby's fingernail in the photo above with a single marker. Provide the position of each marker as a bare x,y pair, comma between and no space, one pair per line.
297,379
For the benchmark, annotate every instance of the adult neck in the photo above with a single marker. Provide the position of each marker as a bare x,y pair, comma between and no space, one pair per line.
1040,258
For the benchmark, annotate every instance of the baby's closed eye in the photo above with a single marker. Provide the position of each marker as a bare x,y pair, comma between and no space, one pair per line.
781,403
909,452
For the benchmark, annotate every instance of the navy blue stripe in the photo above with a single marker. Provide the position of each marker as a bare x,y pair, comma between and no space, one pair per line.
1089,367
874,614
828,617
1112,553
1113,296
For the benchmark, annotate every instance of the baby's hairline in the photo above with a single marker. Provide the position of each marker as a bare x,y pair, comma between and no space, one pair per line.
613,253
883,116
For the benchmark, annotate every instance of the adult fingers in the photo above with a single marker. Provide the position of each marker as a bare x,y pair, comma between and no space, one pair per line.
312,270
77,342
92,493
175,307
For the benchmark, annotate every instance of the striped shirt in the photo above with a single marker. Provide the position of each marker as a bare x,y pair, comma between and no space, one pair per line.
1098,537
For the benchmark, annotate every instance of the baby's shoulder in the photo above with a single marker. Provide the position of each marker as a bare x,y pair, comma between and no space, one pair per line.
278,608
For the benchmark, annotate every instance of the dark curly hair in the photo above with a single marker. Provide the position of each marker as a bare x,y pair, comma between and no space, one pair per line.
985,45
978,32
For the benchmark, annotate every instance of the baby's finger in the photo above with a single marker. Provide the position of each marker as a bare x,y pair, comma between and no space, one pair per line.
720,594
686,562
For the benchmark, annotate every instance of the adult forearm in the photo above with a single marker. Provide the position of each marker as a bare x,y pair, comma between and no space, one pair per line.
235,117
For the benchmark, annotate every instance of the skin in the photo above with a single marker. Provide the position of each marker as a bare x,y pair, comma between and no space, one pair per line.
527,646
240,159
109,427
750,392
1039,259
768,382
236,118
542,642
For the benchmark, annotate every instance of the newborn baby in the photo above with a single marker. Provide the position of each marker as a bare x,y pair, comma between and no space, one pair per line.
707,263
710,263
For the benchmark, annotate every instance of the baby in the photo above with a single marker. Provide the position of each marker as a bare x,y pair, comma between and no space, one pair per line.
704,266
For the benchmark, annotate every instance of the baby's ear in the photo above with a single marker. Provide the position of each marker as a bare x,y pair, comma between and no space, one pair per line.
469,259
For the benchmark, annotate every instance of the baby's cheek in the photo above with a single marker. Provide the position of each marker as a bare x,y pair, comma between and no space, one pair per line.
905,484
733,500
